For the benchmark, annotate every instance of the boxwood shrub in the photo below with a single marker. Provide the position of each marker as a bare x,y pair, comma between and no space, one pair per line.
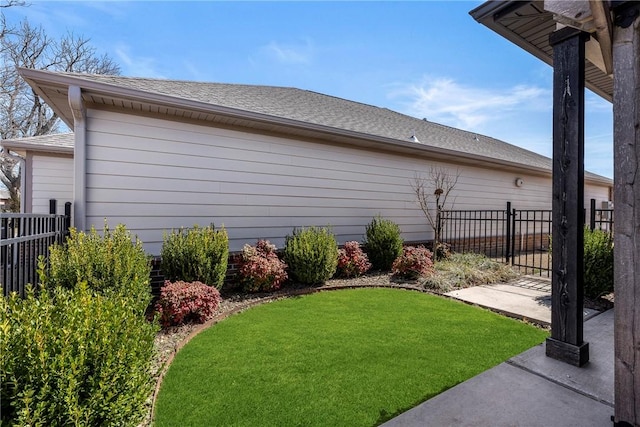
311,254
113,263
198,254
73,357
383,243
598,263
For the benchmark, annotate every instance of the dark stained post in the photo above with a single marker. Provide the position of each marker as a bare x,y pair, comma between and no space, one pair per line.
566,341
626,155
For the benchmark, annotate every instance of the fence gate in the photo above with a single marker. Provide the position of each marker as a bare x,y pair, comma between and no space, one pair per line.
520,237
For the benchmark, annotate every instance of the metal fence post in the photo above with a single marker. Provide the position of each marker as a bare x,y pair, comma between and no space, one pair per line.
592,215
67,220
507,242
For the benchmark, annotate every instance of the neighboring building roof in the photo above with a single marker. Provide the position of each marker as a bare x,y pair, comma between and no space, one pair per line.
529,25
54,143
282,109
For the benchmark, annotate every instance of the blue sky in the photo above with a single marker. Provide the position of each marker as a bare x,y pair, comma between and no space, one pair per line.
426,59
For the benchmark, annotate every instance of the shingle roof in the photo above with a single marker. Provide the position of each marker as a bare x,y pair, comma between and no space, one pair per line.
329,112
62,142
312,107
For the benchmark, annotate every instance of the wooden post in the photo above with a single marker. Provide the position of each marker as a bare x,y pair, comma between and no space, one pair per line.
566,341
626,141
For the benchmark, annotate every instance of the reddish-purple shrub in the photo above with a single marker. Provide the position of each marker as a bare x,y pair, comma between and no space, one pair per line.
182,302
414,262
260,268
352,261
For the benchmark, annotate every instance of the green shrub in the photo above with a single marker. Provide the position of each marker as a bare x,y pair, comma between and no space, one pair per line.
111,264
73,357
311,254
198,254
383,243
598,263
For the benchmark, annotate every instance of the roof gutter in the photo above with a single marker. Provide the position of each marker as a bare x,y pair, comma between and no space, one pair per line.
17,145
203,107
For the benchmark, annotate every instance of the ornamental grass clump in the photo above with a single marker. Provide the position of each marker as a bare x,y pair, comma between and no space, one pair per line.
383,243
414,263
73,357
462,270
598,263
311,254
352,261
260,268
112,264
183,302
198,254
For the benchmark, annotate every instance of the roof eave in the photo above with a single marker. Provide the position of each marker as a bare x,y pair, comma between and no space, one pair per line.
488,14
17,145
37,77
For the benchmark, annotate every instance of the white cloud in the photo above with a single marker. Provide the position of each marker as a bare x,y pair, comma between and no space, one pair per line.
137,66
294,53
449,102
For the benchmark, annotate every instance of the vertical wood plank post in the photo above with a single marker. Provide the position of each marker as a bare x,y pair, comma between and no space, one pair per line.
566,341
626,155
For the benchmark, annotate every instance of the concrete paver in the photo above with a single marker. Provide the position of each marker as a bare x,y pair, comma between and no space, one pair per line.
526,299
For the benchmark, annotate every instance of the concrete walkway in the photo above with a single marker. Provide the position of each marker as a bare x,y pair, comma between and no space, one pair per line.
530,389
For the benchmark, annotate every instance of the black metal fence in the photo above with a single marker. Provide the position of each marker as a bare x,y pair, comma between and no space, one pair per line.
24,238
521,237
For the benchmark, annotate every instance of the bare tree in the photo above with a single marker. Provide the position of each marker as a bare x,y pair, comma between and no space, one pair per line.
22,112
432,194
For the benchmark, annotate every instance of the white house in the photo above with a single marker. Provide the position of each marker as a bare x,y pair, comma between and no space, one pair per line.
260,160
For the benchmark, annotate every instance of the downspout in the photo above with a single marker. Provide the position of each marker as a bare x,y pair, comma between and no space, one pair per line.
79,157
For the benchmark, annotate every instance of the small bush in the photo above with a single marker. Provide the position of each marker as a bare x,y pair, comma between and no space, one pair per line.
598,263
198,254
383,243
462,270
113,264
311,254
415,262
442,251
352,261
182,302
260,268
73,357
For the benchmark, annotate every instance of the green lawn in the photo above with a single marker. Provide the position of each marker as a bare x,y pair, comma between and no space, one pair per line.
343,358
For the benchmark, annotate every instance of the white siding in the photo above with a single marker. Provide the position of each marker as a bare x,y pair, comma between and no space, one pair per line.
52,178
154,175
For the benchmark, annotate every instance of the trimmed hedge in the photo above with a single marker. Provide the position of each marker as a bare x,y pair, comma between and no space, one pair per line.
113,264
198,254
311,254
73,357
383,243
598,263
